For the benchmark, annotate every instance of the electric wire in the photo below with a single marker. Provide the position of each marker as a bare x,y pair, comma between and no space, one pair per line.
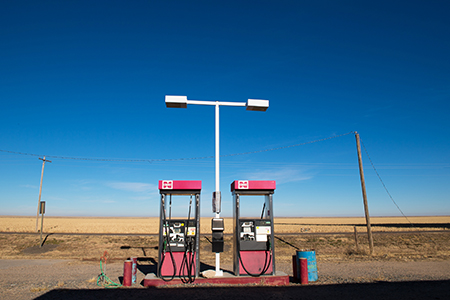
173,159
209,157
290,146
384,186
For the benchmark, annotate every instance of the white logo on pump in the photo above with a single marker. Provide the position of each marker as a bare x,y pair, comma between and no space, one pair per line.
243,184
167,184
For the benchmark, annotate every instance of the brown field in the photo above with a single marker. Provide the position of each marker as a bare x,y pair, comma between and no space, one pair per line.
151,224
413,243
401,251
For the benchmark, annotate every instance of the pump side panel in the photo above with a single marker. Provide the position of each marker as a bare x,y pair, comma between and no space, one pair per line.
167,267
254,262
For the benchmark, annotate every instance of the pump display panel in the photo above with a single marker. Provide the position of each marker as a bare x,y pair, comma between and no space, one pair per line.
180,234
254,234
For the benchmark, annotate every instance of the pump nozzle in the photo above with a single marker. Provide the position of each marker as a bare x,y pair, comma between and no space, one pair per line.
262,212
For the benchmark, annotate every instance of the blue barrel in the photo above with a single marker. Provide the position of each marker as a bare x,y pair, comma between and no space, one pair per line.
310,255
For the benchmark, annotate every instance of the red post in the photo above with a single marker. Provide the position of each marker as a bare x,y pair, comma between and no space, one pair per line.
303,271
127,266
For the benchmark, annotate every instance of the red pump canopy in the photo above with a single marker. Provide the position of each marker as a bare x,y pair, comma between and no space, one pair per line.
180,185
249,185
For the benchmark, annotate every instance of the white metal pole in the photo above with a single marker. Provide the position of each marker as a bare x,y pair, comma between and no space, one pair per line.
217,157
217,154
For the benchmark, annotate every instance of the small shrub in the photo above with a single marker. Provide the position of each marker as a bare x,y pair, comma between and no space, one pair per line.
353,251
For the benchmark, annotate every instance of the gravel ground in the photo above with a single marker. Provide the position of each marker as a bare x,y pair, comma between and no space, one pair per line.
70,279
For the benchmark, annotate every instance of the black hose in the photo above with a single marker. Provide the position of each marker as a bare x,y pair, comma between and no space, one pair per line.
187,266
166,241
189,244
174,264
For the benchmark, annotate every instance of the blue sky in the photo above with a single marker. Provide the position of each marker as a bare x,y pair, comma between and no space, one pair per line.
87,79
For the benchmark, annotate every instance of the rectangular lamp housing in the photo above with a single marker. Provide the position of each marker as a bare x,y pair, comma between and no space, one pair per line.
257,104
176,101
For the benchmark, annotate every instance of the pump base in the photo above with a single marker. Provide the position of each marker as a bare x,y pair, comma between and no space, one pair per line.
167,267
280,278
254,261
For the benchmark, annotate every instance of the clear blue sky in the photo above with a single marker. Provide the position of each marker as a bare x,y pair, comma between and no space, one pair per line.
87,79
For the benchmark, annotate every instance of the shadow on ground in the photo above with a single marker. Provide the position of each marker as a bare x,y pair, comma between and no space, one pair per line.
389,225
378,290
416,225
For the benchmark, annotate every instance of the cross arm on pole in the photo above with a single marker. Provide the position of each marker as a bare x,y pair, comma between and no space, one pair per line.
220,103
45,160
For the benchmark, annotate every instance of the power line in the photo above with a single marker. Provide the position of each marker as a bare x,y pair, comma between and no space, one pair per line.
105,159
285,147
174,159
381,180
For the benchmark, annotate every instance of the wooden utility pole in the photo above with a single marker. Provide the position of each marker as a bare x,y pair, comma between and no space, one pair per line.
40,190
363,186
356,238
42,211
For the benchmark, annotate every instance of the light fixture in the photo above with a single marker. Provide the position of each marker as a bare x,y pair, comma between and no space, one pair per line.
257,104
176,101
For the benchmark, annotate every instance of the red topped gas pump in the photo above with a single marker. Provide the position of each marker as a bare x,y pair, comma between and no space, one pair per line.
253,238
179,237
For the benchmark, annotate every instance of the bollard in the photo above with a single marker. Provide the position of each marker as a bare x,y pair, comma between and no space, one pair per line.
127,266
303,270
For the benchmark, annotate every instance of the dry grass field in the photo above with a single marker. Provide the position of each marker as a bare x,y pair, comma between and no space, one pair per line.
282,225
394,238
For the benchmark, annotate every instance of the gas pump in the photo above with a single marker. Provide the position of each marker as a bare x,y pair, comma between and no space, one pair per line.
253,238
179,237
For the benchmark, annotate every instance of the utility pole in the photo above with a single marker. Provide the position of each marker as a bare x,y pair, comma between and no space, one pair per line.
42,211
40,190
363,186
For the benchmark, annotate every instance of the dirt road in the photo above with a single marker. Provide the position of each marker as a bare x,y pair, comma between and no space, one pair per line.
70,279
